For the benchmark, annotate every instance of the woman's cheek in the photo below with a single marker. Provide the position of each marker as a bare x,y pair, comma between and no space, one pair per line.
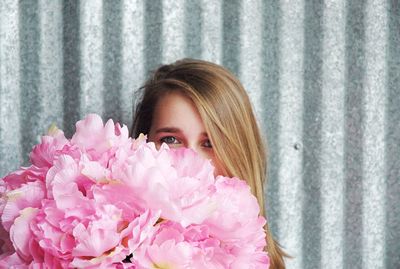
219,168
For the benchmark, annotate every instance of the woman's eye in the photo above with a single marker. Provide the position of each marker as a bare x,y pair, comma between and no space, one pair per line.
169,140
207,144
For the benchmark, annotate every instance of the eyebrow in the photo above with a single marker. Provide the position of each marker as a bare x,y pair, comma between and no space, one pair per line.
174,130
168,130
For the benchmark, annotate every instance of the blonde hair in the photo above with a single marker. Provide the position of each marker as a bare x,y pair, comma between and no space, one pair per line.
228,117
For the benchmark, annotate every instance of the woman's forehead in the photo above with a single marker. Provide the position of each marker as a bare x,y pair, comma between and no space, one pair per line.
177,113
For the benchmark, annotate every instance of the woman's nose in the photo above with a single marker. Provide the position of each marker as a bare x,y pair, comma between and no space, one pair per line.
191,146
198,150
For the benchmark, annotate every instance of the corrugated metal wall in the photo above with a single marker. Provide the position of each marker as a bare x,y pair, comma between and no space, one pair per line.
324,77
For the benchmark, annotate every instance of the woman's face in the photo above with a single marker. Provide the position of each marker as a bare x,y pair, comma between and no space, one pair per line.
177,123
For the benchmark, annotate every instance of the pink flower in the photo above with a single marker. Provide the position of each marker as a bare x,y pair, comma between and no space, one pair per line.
28,195
66,185
24,175
21,234
229,222
241,231
102,198
44,154
174,246
164,181
167,254
98,140
12,261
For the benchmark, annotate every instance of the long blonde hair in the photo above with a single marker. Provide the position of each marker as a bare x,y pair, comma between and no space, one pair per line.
228,117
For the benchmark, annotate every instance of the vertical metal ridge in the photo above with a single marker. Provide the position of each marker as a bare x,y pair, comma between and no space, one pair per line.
133,55
392,139
50,64
312,134
323,77
270,97
376,28
291,130
112,58
332,135
153,18
173,30
71,65
92,57
354,117
251,53
193,24
31,106
211,31
231,35
10,106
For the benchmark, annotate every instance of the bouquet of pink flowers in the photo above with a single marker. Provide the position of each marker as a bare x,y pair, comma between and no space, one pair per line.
105,200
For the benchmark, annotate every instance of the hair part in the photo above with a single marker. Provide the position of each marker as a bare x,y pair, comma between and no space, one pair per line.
228,117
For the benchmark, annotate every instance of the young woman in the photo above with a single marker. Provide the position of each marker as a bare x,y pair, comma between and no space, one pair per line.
201,105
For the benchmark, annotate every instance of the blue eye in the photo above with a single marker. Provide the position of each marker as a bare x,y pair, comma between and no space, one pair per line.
169,140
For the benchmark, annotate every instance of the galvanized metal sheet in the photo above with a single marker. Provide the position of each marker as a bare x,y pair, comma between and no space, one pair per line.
323,76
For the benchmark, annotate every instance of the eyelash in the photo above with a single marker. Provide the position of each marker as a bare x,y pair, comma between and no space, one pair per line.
165,138
206,143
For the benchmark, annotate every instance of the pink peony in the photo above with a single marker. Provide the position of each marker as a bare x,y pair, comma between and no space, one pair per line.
104,200
44,154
